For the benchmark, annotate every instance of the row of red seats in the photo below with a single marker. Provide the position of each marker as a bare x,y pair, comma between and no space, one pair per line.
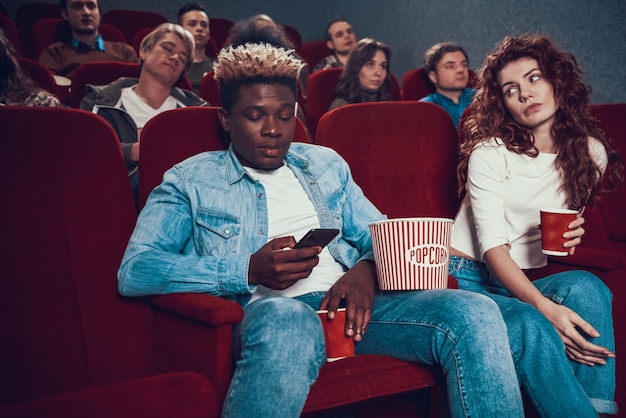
30,36
420,142
116,25
319,94
73,346
132,25
413,146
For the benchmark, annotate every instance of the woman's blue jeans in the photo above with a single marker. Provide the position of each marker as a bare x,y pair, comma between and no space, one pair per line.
558,387
280,349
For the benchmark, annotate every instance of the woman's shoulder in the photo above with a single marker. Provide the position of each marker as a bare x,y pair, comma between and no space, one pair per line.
338,102
489,145
595,144
493,150
598,152
42,98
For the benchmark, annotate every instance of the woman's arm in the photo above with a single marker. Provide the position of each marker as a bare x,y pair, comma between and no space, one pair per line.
490,197
565,321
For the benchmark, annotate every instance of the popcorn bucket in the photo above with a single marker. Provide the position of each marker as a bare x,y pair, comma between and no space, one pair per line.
412,253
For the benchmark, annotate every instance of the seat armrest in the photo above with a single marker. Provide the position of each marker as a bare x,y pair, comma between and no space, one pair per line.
201,306
194,333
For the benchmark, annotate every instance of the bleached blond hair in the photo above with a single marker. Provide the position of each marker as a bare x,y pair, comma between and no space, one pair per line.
150,41
252,61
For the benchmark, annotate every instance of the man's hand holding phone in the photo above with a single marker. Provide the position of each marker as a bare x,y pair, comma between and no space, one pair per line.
275,268
319,237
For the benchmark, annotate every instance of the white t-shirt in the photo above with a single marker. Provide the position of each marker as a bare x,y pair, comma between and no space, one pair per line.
505,193
140,111
290,212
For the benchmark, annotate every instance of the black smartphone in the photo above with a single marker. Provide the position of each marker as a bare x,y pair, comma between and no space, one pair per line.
317,237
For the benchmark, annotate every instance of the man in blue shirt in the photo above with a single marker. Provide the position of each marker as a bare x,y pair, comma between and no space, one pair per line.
447,67
226,223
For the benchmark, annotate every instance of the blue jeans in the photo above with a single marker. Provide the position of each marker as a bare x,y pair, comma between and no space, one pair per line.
557,386
280,346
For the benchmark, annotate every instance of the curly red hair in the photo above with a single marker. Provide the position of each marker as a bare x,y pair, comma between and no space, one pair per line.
488,117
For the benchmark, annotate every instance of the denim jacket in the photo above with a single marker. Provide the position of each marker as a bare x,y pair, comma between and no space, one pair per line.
202,224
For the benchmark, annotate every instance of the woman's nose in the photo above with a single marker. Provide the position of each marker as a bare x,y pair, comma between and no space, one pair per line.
524,94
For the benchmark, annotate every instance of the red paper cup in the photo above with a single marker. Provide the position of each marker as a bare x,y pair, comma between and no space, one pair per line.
338,344
554,224
412,253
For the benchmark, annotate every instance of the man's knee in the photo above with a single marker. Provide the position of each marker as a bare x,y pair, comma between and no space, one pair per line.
282,323
481,313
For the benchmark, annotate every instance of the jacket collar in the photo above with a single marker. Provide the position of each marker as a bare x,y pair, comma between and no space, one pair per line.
235,170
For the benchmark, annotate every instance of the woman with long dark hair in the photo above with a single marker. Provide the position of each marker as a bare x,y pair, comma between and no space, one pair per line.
530,144
16,88
366,76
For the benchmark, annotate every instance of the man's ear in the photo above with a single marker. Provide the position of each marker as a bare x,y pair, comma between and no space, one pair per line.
329,45
432,76
142,53
223,117
64,14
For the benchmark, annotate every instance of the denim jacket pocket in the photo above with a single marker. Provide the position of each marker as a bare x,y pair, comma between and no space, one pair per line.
216,231
335,202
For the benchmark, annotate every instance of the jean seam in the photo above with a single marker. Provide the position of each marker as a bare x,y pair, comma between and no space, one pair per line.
457,363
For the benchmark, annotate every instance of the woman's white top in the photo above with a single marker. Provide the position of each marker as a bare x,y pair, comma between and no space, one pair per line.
505,192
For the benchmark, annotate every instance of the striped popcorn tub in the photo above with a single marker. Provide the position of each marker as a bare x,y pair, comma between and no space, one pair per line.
412,253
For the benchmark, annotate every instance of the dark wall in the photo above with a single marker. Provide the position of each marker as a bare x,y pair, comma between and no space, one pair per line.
593,30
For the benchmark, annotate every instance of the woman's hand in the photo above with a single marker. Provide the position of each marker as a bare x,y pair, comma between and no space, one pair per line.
358,287
567,323
574,235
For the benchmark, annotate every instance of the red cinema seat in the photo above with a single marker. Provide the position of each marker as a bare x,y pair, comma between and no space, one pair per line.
71,345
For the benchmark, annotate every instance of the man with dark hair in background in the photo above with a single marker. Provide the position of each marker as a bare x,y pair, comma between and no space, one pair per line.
447,67
340,38
193,17
86,44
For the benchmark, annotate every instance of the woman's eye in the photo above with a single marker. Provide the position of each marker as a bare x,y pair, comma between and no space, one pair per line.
510,91
534,78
